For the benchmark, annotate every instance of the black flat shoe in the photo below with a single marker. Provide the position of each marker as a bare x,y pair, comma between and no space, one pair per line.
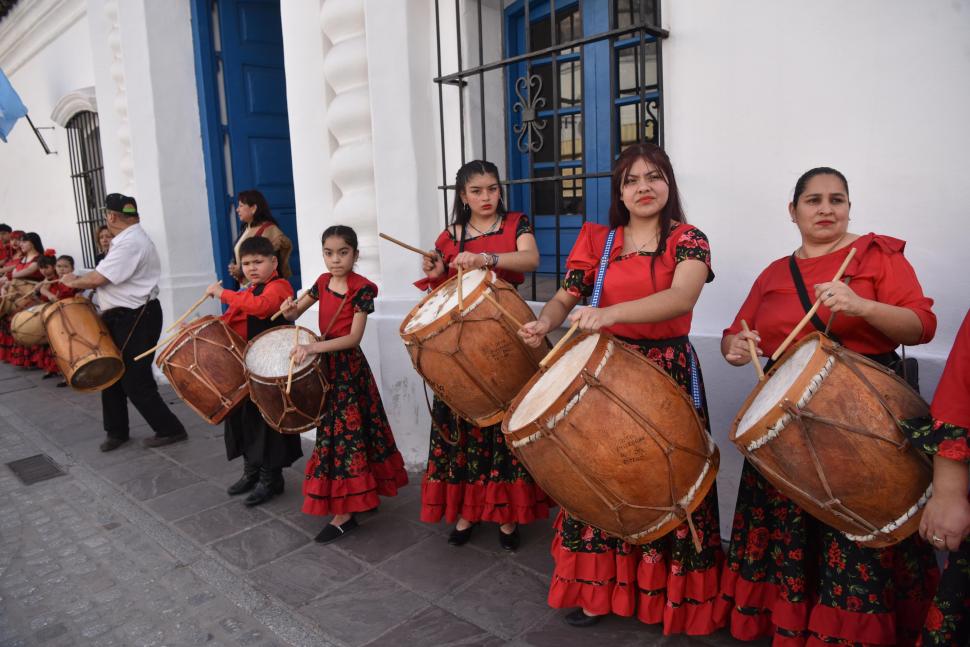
461,537
509,541
244,484
331,532
578,618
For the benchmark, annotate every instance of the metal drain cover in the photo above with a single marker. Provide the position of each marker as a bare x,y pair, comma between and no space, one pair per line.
35,469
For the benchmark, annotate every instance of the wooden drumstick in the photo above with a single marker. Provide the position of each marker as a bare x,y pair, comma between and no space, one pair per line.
289,375
461,297
157,346
811,313
412,248
280,312
189,311
508,315
559,344
753,351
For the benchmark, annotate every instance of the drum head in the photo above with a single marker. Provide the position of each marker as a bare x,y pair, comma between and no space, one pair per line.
268,354
98,374
777,386
553,382
444,300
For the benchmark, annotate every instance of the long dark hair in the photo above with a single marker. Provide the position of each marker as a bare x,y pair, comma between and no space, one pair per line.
35,241
263,214
459,215
809,174
672,213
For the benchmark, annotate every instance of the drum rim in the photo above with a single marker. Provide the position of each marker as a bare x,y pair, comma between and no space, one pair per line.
276,329
472,299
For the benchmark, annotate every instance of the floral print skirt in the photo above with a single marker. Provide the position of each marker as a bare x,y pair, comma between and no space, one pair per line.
799,581
355,458
665,581
473,474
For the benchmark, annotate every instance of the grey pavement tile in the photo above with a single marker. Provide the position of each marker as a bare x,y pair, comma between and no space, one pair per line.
433,568
257,546
299,577
89,453
291,499
487,600
533,552
214,466
311,524
362,610
380,537
188,500
160,479
611,630
222,521
435,626
123,472
196,447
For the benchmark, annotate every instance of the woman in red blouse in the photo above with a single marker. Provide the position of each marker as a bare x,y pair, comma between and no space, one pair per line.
27,268
788,575
657,267
477,478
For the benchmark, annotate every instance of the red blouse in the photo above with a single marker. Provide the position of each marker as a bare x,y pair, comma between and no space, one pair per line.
245,303
360,298
951,404
22,265
61,291
879,272
514,224
636,275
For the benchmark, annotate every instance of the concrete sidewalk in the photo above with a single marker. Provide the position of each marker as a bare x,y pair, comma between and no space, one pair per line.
143,547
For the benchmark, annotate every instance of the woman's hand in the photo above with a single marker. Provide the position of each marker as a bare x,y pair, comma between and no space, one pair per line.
737,349
234,271
468,261
839,297
946,521
593,319
300,352
289,308
433,268
533,332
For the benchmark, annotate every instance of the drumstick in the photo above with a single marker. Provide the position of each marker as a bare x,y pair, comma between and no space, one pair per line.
158,345
289,375
508,315
189,311
279,312
811,313
409,247
460,295
559,344
753,351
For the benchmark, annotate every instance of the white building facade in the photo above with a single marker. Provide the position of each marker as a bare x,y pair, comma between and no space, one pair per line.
333,110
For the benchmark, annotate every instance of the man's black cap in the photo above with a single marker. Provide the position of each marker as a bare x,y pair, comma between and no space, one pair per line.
121,203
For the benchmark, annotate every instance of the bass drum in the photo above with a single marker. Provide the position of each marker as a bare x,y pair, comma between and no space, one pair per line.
27,326
82,346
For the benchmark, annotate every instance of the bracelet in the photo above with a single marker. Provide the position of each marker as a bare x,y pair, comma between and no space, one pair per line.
487,257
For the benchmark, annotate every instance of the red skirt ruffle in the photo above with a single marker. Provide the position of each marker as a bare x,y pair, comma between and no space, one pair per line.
601,583
517,502
323,496
774,610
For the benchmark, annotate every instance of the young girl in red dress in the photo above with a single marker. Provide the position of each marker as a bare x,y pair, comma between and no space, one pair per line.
789,576
28,269
477,478
355,458
657,266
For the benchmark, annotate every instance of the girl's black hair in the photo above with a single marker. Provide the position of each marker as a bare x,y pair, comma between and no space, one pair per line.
341,231
809,174
460,214
66,257
46,261
254,198
35,241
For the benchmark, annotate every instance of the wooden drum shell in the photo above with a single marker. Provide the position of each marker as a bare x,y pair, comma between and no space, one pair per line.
83,348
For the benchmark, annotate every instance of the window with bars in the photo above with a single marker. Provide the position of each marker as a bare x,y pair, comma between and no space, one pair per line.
87,176
582,80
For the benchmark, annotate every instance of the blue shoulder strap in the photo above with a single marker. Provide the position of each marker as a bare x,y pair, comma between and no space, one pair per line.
601,271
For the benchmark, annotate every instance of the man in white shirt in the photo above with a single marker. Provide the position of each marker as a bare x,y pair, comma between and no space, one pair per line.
127,284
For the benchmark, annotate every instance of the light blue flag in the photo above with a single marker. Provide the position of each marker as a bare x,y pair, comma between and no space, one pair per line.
11,107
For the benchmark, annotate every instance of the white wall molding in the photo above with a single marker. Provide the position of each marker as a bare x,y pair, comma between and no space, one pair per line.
80,100
126,164
31,26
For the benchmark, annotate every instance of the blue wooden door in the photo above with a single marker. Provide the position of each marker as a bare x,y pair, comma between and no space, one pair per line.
255,90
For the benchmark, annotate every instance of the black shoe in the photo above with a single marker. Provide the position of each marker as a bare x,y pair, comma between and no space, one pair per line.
578,618
161,441
112,444
331,532
509,541
62,384
264,492
461,537
248,481
48,376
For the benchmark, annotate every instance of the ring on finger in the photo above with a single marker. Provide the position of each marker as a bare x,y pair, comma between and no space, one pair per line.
829,293
938,540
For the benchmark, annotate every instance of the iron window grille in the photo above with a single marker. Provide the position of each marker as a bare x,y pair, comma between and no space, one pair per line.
87,176
541,121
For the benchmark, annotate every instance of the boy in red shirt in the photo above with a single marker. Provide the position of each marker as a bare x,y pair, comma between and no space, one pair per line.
265,451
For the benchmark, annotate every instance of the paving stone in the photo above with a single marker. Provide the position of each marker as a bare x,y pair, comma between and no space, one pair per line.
301,576
380,537
159,480
257,546
453,566
214,524
362,610
435,626
194,448
188,500
486,599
